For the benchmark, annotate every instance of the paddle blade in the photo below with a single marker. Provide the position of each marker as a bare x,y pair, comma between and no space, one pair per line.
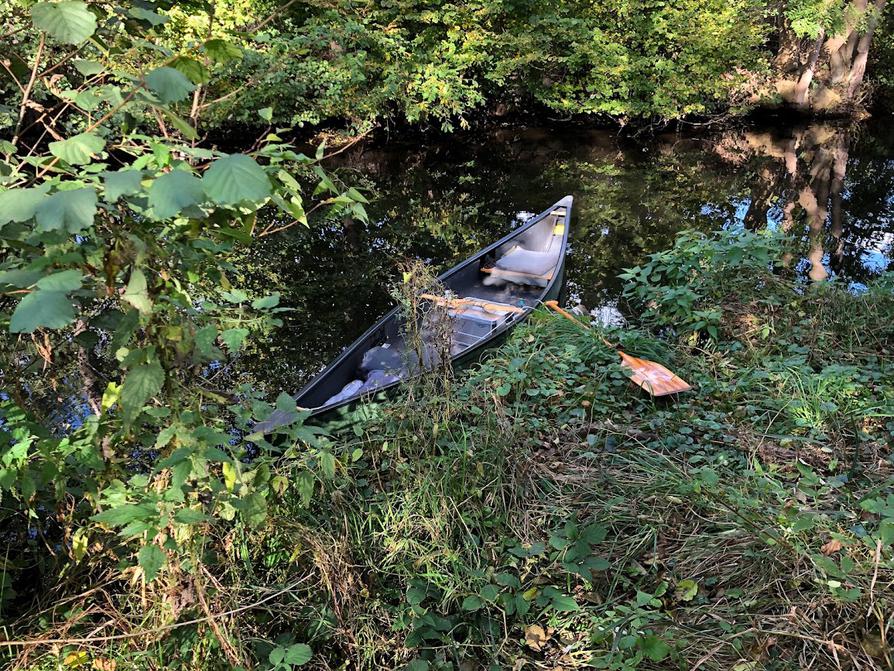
653,377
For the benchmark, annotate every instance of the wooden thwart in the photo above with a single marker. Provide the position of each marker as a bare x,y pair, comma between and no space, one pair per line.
651,376
471,302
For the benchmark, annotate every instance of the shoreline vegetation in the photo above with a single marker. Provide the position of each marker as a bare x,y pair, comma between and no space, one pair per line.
538,509
535,511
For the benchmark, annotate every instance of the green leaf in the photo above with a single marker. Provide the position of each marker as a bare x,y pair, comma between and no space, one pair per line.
221,51
141,384
196,72
234,179
121,183
87,68
653,647
266,114
148,16
169,85
151,558
137,292
266,302
686,590
41,309
189,516
78,149
174,191
472,603
233,338
21,278
564,603
72,211
356,196
70,22
298,654
20,204
119,515
67,280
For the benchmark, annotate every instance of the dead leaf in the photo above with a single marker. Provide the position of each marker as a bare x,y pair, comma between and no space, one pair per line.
100,664
536,637
831,547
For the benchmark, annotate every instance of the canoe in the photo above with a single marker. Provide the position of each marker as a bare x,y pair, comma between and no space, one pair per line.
486,296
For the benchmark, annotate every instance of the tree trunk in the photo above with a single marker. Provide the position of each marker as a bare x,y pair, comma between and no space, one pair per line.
802,88
858,69
842,52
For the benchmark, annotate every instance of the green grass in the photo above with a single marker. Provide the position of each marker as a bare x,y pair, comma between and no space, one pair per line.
541,512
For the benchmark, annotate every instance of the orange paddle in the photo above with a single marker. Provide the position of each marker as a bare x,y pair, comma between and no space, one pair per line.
651,376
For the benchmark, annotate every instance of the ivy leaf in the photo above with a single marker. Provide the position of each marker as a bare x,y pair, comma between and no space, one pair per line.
233,338
70,22
121,183
141,384
67,280
221,51
20,204
72,211
78,149
137,293
169,85
234,179
151,558
41,309
174,191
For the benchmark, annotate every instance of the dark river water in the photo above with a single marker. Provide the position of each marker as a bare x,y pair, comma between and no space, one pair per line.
830,186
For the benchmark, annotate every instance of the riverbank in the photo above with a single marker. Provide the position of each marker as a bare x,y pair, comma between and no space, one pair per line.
540,511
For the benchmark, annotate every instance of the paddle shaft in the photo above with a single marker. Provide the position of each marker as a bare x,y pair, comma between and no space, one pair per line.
555,306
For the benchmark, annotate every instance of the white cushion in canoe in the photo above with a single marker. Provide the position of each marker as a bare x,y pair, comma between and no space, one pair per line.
521,260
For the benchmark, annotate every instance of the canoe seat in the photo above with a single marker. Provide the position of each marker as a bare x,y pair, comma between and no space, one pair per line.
523,266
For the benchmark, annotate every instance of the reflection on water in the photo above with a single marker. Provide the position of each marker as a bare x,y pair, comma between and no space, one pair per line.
830,185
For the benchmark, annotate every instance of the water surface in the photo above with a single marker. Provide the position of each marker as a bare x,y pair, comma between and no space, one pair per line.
830,186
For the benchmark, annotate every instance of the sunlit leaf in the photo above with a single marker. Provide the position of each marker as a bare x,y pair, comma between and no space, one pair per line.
69,21
235,179
137,293
221,51
78,149
195,71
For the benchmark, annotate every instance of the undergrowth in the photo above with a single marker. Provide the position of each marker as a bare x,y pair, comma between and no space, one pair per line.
549,515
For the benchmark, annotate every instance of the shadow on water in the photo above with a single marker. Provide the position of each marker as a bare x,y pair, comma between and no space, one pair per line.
832,186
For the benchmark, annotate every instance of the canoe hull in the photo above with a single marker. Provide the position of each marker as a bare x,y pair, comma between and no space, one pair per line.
330,380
